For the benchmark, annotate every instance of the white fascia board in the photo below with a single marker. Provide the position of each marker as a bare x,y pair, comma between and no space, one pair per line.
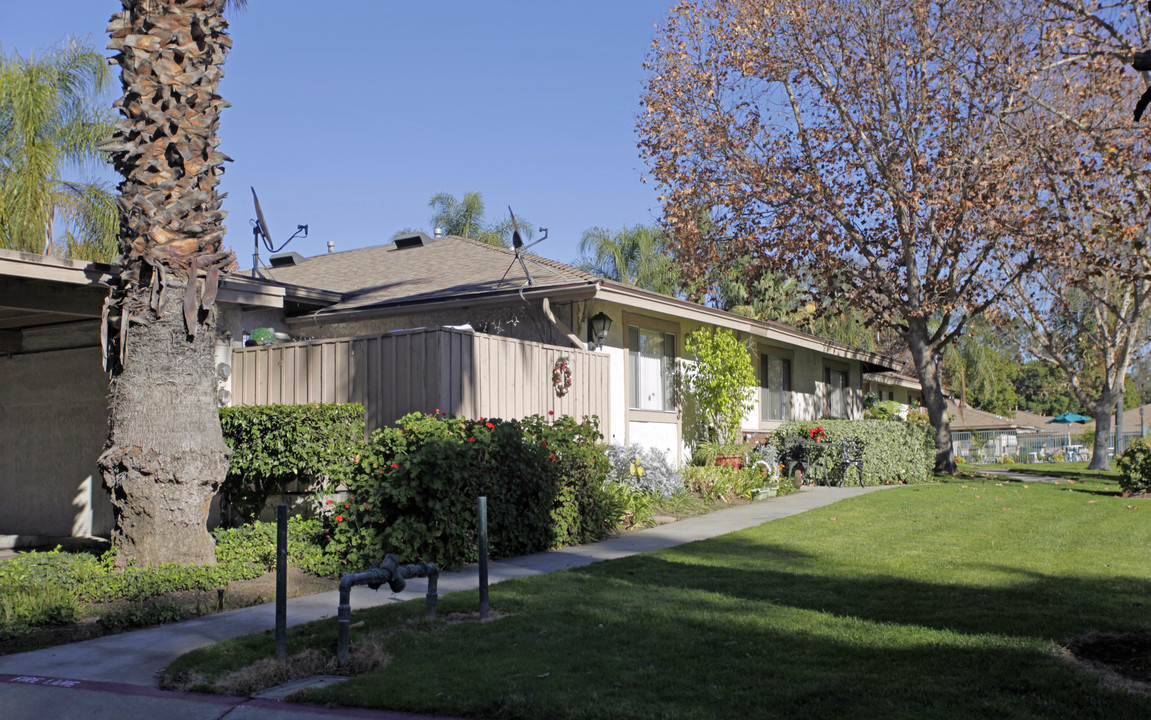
776,332
53,269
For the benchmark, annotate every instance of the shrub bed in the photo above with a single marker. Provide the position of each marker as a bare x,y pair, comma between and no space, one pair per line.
414,490
273,445
894,451
1134,467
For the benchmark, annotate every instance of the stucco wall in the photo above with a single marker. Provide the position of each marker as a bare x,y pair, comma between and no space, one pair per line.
53,424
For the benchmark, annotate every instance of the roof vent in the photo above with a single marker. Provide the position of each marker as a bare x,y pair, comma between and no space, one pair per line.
286,259
411,241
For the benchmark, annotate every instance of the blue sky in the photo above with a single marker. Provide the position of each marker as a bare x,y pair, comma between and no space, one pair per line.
350,116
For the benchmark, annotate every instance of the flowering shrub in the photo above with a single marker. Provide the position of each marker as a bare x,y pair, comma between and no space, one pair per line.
414,490
646,470
818,434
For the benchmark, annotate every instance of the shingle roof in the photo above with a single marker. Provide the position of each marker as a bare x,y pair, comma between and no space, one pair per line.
449,266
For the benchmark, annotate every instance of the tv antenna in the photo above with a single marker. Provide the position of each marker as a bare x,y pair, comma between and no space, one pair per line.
260,232
518,247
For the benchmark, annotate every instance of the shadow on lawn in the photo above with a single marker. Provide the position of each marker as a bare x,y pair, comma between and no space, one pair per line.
1020,603
676,635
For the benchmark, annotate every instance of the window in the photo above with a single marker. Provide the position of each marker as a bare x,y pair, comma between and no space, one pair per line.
835,381
651,369
775,387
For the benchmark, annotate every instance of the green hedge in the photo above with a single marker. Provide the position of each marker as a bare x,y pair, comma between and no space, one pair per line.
1134,467
414,491
272,445
894,451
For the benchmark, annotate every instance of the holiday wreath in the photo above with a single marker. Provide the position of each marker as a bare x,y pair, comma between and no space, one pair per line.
562,377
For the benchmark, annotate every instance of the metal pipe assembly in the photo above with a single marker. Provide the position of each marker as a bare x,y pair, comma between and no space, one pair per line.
395,575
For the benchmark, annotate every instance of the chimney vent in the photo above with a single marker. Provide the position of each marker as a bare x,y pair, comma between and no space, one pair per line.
331,246
286,259
411,241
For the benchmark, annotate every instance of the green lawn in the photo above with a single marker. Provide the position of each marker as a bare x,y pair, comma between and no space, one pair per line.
915,602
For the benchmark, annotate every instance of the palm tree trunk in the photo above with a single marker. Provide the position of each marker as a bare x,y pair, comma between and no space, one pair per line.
166,456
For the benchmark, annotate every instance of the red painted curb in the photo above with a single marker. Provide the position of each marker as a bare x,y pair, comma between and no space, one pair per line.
233,701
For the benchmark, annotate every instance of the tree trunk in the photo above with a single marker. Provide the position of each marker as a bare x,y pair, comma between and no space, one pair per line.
928,371
1102,440
1120,405
166,455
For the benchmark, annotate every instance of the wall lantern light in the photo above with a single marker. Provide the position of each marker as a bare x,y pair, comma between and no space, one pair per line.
600,324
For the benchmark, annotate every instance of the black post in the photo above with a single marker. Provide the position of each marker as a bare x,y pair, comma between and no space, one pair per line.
282,583
483,509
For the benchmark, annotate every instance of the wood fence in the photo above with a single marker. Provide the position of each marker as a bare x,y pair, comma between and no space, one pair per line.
458,372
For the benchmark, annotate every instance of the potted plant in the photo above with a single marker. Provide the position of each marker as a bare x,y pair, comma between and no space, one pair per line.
713,452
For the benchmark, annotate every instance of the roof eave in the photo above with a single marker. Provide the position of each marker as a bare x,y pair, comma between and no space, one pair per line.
567,291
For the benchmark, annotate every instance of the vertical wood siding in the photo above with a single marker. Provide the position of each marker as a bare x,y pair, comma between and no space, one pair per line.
461,373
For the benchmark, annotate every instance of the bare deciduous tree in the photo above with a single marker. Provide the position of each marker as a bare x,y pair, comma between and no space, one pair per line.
858,140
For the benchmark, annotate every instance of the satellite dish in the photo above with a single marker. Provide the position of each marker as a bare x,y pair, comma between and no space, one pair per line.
517,247
517,239
260,230
261,223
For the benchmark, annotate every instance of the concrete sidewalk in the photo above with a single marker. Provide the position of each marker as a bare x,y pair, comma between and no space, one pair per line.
116,676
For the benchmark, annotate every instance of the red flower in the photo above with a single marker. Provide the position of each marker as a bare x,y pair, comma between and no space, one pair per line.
329,502
347,506
553,457
471,439
544,443
551,412
353,498
339,518
490,425
395,466
365,506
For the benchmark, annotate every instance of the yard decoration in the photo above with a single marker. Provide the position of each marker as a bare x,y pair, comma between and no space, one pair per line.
562,377
165,456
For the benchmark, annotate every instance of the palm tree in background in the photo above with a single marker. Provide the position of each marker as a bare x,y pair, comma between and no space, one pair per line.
50,121
165,457
465,217
636,255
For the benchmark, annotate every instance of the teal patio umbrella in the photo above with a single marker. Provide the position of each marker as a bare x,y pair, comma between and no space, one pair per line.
1069,417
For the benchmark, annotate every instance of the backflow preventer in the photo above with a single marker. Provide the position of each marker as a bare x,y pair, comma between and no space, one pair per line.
395,575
